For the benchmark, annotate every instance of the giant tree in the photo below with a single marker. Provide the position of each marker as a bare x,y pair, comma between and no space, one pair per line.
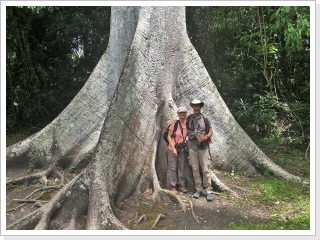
112,130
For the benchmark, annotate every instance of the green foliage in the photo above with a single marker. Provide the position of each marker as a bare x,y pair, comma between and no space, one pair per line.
298,222
32,164
9,186
74,169
288,200
291,24
45,196
259,59
10,206
291,156
274,190
51,52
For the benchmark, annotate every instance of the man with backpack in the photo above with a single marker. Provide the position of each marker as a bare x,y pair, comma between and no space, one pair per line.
199,133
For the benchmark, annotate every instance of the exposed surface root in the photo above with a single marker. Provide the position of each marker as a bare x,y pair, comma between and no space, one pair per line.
142,218
28,201
44,180
215,193
56,203
160,216
41,219
13,209
61,176
192,211
30,177
27,223
221,186
165,194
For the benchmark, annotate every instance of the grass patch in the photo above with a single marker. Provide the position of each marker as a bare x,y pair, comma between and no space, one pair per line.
287,200
45,196
295,159
299,222
10,206
273,190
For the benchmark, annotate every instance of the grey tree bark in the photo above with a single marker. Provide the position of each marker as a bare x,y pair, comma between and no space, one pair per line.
112,130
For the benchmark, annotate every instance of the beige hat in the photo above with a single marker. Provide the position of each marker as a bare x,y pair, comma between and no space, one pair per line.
182,109
196,101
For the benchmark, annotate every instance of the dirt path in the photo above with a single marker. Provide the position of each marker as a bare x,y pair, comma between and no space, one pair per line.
219,214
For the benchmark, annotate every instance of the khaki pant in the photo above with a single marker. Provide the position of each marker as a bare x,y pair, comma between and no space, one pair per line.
175,173
200,159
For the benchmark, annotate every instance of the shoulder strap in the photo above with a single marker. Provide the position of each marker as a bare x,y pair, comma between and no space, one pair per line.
206,122
190,116
181,129
187,121
175,129
176,125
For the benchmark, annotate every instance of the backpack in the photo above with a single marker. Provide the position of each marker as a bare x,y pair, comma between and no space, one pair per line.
165,135
206,122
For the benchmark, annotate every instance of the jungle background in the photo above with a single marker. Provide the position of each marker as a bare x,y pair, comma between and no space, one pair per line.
257,56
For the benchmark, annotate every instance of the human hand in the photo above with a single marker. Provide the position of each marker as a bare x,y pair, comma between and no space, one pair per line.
202,139
174,151
173,121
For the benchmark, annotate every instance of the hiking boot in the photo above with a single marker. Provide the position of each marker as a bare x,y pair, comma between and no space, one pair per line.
173,189
209,197
197,195
183,189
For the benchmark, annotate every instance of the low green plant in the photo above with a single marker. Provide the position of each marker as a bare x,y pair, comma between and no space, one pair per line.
232,174
9,186
45,196
32,164
10,178
74,169
11,205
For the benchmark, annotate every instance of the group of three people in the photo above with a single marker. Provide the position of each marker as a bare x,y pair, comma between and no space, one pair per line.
197,127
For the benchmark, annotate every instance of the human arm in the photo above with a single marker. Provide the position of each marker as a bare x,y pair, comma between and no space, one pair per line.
174,150
206,137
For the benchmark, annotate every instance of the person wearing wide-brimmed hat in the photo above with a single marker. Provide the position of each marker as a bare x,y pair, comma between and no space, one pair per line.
199,133
177,152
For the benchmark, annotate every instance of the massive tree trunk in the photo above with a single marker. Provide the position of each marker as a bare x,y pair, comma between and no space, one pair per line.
112,130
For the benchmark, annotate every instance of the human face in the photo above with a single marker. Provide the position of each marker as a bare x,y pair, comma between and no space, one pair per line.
196,109
182,115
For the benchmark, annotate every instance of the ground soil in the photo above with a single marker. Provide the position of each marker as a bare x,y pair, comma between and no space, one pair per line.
219,214
200,214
